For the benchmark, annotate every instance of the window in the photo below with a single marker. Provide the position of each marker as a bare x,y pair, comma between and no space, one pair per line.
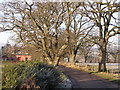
19,58
26,58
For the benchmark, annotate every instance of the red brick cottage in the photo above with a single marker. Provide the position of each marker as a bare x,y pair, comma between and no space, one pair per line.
22,56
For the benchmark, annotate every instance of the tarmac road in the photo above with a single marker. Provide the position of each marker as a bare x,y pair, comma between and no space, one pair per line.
81,79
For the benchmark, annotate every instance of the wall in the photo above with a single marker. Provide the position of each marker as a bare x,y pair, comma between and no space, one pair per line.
23,57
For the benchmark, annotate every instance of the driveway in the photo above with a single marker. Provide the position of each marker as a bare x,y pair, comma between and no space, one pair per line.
81,79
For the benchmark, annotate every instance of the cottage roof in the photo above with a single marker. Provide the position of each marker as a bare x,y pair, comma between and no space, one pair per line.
21,53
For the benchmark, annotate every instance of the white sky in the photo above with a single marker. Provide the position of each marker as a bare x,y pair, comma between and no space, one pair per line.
5,37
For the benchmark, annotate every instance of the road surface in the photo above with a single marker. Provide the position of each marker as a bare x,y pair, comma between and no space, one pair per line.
81,79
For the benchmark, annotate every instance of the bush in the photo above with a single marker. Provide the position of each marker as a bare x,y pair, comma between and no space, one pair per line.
30,75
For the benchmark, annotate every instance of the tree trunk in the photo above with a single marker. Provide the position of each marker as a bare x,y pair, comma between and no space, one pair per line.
103,58
72,58
68,59
56,61
116,58
85,58
49,61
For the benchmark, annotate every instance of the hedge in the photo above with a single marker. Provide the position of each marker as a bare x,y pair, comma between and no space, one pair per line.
30,75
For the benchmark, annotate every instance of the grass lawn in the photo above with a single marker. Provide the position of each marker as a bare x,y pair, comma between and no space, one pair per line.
108,76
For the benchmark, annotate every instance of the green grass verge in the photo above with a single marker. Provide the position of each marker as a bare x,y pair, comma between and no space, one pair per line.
108,76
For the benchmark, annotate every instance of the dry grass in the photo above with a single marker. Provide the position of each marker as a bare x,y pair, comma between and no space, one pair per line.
69,65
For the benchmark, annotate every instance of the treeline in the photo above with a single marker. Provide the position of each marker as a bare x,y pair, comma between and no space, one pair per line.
59,29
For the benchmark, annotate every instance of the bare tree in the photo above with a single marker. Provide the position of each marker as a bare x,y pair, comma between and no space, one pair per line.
103,16
77,27
38,24
8,52
114,52
41,24
85,48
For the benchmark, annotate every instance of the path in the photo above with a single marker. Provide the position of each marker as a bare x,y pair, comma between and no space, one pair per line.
81,79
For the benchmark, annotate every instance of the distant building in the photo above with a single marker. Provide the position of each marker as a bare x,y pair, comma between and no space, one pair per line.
10,53
22,56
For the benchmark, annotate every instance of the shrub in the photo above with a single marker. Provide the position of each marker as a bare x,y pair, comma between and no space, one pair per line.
30,75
